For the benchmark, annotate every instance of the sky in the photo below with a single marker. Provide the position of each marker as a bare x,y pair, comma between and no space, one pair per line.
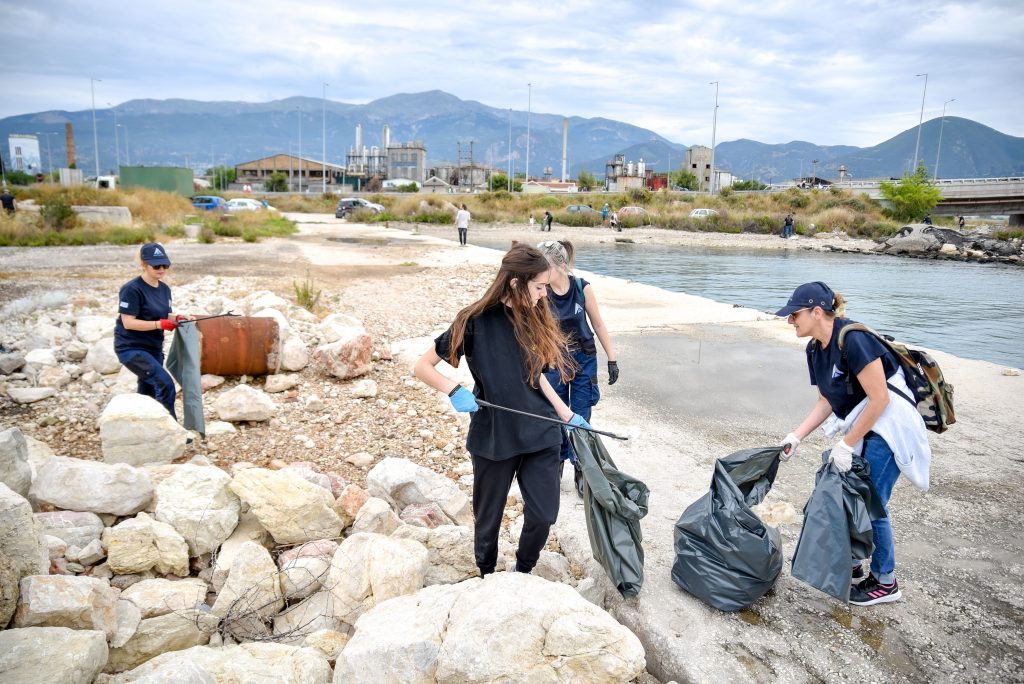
840,73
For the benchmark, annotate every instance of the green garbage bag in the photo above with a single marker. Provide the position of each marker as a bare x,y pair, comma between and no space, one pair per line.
613,503
183,365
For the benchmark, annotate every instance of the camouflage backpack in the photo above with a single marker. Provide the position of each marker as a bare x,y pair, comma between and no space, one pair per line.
933,396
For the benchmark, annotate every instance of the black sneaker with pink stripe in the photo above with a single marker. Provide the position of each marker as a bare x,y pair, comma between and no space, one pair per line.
871,591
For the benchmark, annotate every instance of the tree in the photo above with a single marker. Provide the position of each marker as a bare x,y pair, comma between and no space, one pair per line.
587,181
499,181
912,197
748,185
683,179
221,176
278,182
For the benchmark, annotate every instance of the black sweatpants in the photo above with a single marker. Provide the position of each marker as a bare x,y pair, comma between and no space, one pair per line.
538,477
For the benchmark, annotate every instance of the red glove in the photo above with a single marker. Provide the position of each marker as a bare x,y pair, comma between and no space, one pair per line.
167,324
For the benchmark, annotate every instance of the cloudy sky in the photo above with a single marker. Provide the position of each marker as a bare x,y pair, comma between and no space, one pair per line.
829,73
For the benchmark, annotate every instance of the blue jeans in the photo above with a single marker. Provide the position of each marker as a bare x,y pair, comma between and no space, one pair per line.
580,394
884,473
154,380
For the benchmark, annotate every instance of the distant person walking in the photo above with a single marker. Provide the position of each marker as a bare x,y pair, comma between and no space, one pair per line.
960,221
615,222
531,221
462,223
604,212
787,228
927,220
546,221
7,199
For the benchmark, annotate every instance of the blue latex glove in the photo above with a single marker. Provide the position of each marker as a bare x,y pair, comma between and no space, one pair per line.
577,421
464,401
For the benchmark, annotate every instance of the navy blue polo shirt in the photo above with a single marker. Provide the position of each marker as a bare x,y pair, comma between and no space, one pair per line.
146,303
829,373
570,309
498,367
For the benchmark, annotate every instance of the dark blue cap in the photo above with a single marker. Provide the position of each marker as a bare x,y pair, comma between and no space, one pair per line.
808,296
154,254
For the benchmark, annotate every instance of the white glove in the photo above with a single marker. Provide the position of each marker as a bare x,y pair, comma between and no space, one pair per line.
789,444
842,456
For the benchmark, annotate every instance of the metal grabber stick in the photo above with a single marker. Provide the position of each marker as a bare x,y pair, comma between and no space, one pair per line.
488,404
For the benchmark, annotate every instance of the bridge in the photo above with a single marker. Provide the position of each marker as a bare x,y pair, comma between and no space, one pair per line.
974,196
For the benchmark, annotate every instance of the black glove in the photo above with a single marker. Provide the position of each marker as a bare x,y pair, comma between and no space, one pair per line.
613,372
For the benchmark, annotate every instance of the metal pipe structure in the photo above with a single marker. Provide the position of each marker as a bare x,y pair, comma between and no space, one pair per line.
942,125
920,121
300,150
529,109
323,137
714,130
117,140
509,149
95,136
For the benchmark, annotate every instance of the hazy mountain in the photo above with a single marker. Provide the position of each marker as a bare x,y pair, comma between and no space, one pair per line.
200,134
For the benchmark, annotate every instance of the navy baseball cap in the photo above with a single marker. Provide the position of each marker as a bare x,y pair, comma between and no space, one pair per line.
154,254
808,296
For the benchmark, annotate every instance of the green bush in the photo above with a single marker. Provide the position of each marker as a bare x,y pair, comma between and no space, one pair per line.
175,231
796,198
548,202
763,224
580,218
250,235
206,236
277,182
1010,234
19,178
432,217
57,213
638,196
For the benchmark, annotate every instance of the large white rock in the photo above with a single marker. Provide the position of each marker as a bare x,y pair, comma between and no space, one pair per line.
508,627
264,299
156,635
284,329
401,482
21,537
41,357
14,468
348,357
76,485
141,543
155,597
197,501
369,569
138,430
51,655
251,594
128,618
93,328
101,357
280,383
67,601
290,508
299,620
294,354
377,517
30,395
450,551
248,529
74,528
243,402
231,664
53,376
336,326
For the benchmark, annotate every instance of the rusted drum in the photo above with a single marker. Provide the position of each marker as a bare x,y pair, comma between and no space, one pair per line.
238,345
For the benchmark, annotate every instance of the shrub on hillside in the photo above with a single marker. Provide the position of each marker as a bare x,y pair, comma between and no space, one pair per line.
57,213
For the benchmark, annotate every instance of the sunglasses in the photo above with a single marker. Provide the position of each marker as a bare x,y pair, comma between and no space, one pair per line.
793,315
160,267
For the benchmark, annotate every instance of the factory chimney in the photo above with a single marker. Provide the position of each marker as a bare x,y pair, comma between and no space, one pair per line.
69,138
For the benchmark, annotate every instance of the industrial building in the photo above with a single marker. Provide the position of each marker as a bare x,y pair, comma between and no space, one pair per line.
24,153
389,160
302,172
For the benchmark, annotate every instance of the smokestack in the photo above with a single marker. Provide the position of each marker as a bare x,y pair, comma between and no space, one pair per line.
565,146
386,137
359,136
69,141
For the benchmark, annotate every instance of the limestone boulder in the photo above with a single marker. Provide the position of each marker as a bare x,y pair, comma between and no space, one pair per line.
349,357
368,569
529,628
450,552
250,595
197,501
67,601
401,482
21,536
94,328
377,517
11,362
335,326
249,529
30,395
128,618
284,328
9,588
15,471
265,299
41,357
427,515
156,635
73,528
138,430
51,655
74,484
294,354
53,376
349,502
101,357
300,620
280,383
202,664
154,597
141,543
242,402
291,509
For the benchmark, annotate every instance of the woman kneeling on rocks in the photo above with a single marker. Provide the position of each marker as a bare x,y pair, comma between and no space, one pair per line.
508,340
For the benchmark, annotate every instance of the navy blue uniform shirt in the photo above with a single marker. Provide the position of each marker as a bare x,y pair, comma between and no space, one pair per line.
571,311
829,373
145,303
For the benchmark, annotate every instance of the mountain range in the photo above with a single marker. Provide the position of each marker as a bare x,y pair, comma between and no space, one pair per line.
202,134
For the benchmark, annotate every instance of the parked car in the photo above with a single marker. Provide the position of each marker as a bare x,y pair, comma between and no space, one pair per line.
209,203
580,209
244,204
702,213
348,204
638,213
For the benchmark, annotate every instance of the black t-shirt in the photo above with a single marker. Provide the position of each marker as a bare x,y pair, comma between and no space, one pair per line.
829,373
499,372
145,303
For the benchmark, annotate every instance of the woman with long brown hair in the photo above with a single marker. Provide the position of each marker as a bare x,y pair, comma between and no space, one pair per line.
508,341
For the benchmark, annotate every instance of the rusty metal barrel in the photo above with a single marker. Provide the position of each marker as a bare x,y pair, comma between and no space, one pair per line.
239,345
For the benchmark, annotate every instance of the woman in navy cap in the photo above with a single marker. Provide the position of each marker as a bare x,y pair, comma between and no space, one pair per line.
145,313
855,401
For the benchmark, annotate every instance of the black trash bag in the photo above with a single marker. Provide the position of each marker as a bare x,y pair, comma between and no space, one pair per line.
725,555
614,503
837,527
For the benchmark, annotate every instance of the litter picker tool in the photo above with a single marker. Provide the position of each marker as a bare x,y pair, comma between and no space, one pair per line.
488,404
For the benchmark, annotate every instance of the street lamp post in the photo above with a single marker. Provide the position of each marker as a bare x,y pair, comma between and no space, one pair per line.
529,109
300,150
942,125
323,171
509,179
814,172
127,150
95,135
49,152
714,130
117,141
920,121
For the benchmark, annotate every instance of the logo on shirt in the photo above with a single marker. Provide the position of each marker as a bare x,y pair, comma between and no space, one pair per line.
124,305
836,373
578,309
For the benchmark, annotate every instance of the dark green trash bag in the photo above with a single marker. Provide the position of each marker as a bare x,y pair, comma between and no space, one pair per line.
614,504
837,527
725,555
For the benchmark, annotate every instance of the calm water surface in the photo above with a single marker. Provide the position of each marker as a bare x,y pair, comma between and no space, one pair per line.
970,310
